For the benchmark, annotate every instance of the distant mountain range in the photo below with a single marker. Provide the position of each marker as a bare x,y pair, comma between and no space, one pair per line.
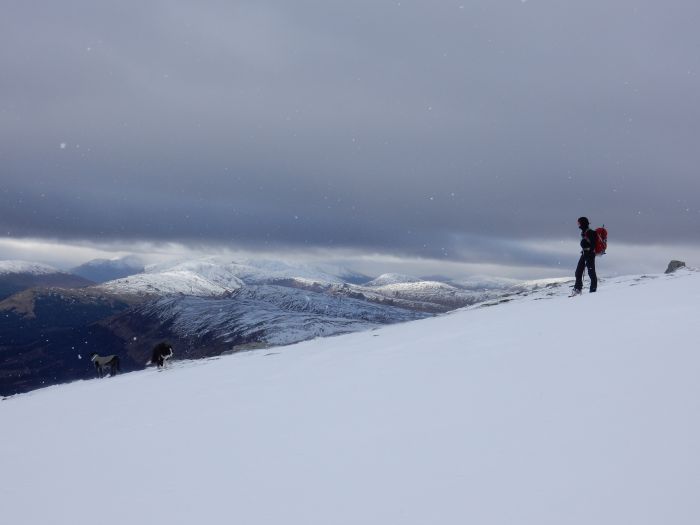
51,321
103,270
16,276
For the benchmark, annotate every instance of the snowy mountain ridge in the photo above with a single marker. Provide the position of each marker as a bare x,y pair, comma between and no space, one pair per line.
26,267
271,315
103,270
211,278
392,278
177,282
256,271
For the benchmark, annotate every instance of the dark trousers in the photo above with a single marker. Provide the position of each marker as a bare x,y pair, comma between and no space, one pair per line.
587,260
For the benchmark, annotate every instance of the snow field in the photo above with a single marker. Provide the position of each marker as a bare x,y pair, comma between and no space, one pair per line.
544,410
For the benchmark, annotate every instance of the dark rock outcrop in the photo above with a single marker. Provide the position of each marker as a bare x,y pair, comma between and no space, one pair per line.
674,265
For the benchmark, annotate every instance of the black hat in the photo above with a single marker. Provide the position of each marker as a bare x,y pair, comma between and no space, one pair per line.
583,221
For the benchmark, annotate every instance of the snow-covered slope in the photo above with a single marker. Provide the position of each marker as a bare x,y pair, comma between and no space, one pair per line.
509,414
257,271
26,267
484,282
392,278
261,271
223,274
209,277
270,315
197,278
180,282
418,290
424,296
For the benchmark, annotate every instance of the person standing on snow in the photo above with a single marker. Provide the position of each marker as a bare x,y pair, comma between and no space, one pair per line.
587,259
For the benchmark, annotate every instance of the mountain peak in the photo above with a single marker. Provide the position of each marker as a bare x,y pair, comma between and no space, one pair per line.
103,270
392,278
26,267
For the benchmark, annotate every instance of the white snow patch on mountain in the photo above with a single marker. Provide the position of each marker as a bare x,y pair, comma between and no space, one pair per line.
11,267
392,278
484,282
222,274
517,413
273,315
417,287
176,282
259,271
428,292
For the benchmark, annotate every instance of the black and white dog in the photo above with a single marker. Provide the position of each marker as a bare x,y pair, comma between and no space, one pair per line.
161,353
102,364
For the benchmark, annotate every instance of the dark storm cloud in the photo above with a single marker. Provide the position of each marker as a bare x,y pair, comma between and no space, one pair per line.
441,129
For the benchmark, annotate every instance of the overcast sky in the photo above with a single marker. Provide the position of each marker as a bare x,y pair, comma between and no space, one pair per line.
457,132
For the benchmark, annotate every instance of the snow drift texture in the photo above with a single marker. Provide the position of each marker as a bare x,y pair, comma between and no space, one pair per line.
543,410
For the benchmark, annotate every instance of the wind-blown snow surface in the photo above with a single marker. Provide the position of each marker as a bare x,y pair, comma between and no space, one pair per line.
543,410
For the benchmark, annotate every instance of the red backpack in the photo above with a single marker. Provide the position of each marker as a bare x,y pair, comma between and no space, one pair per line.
601,240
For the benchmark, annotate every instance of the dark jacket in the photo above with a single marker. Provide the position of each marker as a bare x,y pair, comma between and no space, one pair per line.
588,238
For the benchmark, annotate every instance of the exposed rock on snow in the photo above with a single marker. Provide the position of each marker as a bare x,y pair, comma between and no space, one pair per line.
674,265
